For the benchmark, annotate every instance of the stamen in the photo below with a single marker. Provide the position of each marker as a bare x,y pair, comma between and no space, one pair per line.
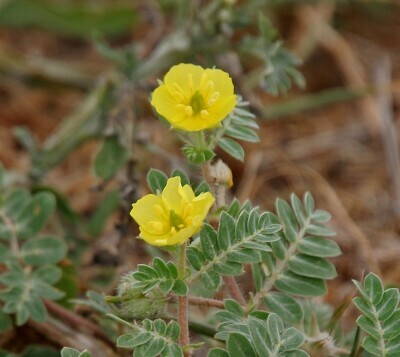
188,110
155,227
179,94
204,113
210,86
203,81
213,98
191,85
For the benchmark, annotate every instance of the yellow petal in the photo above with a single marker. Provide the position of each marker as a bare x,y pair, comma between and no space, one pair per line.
222,108
222,82
172,196
154,239
166,105
144,211
183,235
202,204
186,76
196,123
188,192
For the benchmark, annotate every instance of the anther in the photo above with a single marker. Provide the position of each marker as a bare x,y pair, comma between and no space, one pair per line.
213,98
188,110
204,113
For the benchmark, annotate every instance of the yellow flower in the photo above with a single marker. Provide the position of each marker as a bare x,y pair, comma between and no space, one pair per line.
192,98
173,216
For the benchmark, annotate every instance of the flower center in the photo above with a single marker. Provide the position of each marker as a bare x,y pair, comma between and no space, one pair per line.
176,221
197,102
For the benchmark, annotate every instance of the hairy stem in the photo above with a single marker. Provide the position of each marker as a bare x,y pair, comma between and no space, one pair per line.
234,289
200,301
183,319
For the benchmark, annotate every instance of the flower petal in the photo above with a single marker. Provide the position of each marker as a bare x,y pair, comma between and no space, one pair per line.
186,76
222,108
202,204
144,210
166,105
172,196
222,81
183,235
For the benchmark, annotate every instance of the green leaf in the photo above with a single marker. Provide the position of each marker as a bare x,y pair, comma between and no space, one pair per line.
372,346
373,287
69,352
309,203
296,353
321,216
156,180
111,157
232,148
180,288
209,242
197,155
131,341
202,187
267,30
226,231
391,327
388,304
242,133
184,177
72,19
368,326
292,283
312,267
380,318
287,217
292,339
5,321
318,230
239,346
285,306
244,256
319,247
218,352
48,273
152,348
36,309
234,307
172,351
259,336
42,251
195,257
274,327
34,214
104,210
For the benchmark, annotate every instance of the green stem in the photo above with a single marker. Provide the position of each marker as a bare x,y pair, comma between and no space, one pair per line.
183,318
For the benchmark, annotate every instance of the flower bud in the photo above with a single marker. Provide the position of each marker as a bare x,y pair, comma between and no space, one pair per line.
221,174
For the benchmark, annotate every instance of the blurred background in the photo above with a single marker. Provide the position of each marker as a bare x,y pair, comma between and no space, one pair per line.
322,78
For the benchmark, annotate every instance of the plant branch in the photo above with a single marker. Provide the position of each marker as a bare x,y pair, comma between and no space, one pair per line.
194,300
183,302
234,289
74,320
64,335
